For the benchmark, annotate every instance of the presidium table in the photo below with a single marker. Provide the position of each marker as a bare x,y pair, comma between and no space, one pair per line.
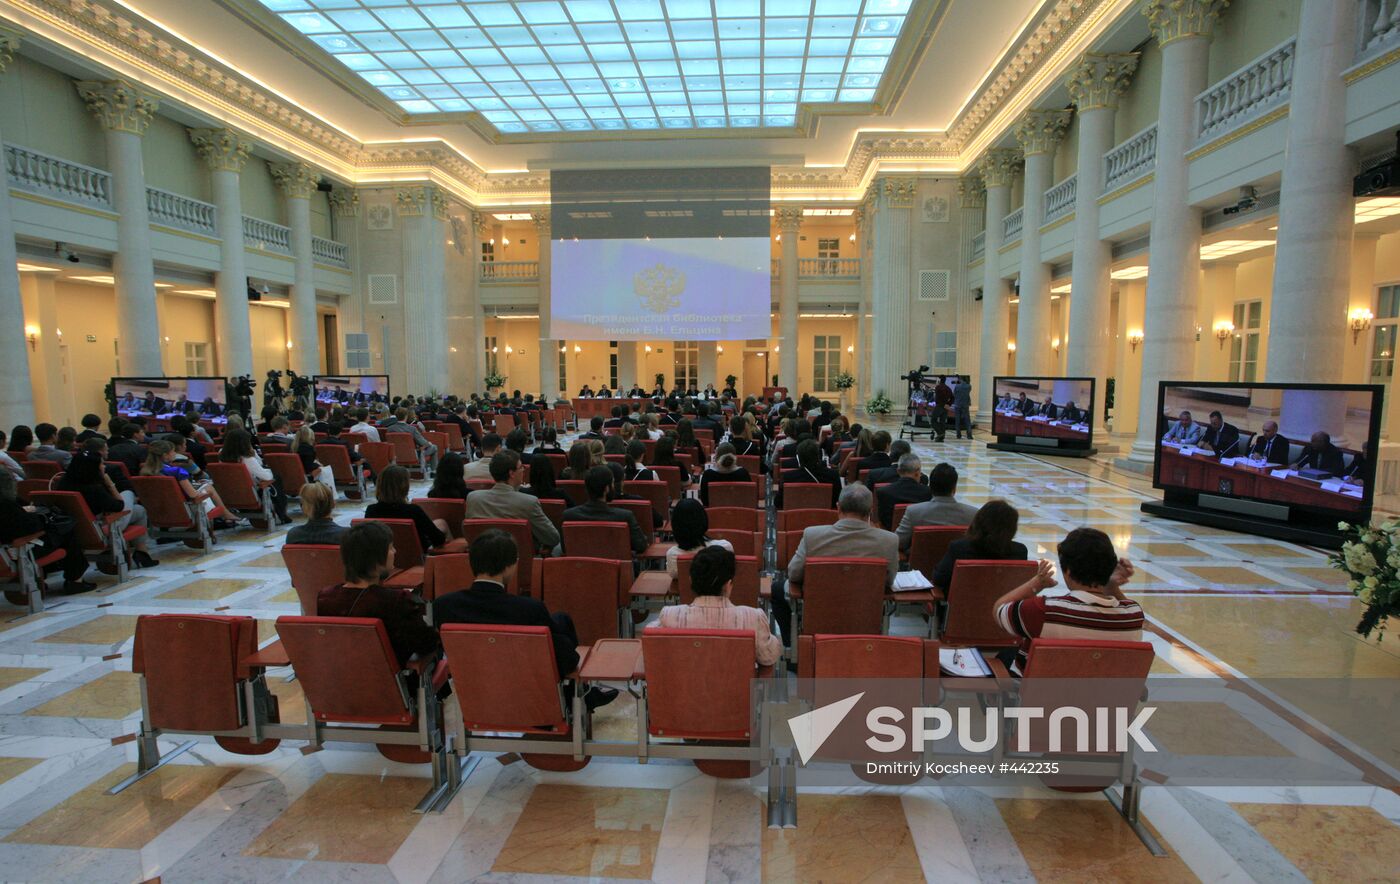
1200,470
586,409
1012,424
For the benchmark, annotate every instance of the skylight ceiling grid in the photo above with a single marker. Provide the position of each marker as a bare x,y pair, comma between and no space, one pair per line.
588,65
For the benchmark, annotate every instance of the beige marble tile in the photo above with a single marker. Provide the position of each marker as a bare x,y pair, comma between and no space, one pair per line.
287,596
585,831
1264,552
184,556
1199,728
13,675
345,818
109,629
1082,841
1167,550
13,767
114,695
129,820
1319,577
208,589
1330,843
843,838
1225,576
271,560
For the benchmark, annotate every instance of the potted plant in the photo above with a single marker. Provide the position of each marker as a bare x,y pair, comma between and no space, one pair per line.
495,381
879,404
1370,556
843,382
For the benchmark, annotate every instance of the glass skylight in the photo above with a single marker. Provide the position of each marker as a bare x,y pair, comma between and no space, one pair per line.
589,65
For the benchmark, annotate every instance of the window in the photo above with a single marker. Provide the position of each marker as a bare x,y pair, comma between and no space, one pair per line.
197,359
563,370
945,350
828,250
488,251
687,364
492,360
1244,348
826,363
1384,330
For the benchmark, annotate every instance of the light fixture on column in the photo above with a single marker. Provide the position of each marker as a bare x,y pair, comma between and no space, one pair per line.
31,333
1135,338
1360,320
494,349
289,345
648,348
509,349
850,348
1055,345
777,348
719,348
853,237
778,238
1011,346
563,348
1223,330
578,349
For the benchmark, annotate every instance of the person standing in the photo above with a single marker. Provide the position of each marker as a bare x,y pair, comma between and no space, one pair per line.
962,406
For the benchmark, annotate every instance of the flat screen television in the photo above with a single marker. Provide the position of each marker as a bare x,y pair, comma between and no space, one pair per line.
361,389
1287,453
204,397
1050,413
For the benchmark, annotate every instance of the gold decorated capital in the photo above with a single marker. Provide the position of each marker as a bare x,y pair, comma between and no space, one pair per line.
438,201
411,202
345,201
1041,131
223,149
1098,79
481,223
9,45
297,180
998,167
898,193
788,218
972,193
542,222
1172,20
118,105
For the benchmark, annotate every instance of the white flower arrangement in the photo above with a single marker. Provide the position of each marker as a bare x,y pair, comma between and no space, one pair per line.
1370,556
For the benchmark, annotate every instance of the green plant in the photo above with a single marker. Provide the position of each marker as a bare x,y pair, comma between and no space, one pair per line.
879,404
1370,556
494,380
844,381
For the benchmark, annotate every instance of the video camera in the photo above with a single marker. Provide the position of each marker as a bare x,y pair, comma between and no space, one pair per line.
915,375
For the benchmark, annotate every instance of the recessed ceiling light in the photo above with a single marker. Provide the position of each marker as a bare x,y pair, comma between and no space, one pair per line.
95,280
1227,247
512,216
1377,207
1130,273
35,268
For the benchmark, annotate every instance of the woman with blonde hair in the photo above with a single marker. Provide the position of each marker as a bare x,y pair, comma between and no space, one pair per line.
651,426
318,505
595,453
304,447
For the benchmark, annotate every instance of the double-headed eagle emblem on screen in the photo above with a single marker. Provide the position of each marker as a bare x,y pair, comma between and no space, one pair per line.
659,288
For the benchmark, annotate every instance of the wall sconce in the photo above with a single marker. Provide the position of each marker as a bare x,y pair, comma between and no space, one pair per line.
648,348
850,348
1360,321
31,332
778,238
289,345
564,348
1011,346
1134,338
509,349
719,348
1055,345
777,348
577,348
1223,330
853,237
505,242
493,349
452,349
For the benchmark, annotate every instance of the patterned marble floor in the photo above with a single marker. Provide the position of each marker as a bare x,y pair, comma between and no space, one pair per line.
1222,607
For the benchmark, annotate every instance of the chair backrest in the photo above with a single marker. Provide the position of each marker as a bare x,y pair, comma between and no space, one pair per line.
438,438
235,486
40,469
556,460
455,440
505,678
806,495
671,475
164,501
1084,674
866,656
355,439
408,548
657,491
336,458
446,573
266,448
73,504
25,487
519,530
347,668
554,509
590,590
313,567
974,589
378,455
604,540
735,518
752,463
801,519
451,510
718,706
746,580
745,543
287,467
843,596
733,493
405,451
784,545
929,544
480,484
899,510
573,489
642,511
191,663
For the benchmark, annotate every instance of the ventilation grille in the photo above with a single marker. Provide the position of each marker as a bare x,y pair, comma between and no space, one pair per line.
933,285
383,288
357,352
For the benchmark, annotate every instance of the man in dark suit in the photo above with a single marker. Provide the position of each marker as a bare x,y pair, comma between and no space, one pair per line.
1220,437
810,469
1321,454
908,488
881,457
130,449
1071,413
617,418
1025,406
495,561
595,428
1049,409
598,481
898,448
1270,445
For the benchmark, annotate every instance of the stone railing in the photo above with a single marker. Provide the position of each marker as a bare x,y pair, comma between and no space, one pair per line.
260,234
1130,160
828,268
180,212
1011,226
330,252
1247,94
513,270
1379,28
50,176
775,267
979,245
1059,200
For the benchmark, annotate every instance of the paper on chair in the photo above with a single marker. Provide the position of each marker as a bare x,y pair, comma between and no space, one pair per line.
911,581
964,662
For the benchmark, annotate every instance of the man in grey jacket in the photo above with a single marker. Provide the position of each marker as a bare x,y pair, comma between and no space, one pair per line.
396,423
941,509
962,405
505,500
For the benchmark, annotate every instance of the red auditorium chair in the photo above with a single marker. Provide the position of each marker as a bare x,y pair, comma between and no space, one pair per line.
406,454
287,468
103,544
672,477
839,596
593,591
379,456
40,469
445,574
21,568
604,540
573,488
745,543
736,518
796,519
733,494
408,549
519,529
451,510
929,544
975,587
456,442
655,490
170,515
348,477
313,567
241,494
748,584
642,510
554,509
25,487
557,461
807,495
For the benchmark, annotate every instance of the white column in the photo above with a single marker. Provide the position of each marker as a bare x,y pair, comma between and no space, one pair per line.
549,348
125,112
1039,133
422,211
865,227
462,306
16,390
972,200
789,223
1307,325
1094,85
998,167
226,152
298,182
480,223
891,291
709,365
1182,29
345,228
627,370
1304,412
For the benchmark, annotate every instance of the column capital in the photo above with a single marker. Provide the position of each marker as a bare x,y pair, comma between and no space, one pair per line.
972,193
541,220
858,216
345,201
223,149
414,202
998,166
297,180
896,193
1040,131
788,218
1098,79
481,223
1172,20
9,45
118,105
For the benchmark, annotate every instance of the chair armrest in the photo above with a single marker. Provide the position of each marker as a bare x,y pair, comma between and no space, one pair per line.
22,542
421,664
110,518
273,655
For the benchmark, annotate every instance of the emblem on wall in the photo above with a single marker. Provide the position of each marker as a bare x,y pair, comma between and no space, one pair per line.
659,287
936,209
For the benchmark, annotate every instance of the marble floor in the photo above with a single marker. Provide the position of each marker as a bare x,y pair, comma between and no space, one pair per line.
1226,610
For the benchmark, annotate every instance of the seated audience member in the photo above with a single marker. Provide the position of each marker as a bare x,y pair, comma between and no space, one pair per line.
367,551
192,436
92,426
21,440
397,423
1185,431
880,457
46,450
810,469
1321,454
940,509
1071,413
161,461
686,443
481,467
281,431
651,426
615,443
1221,438
907,488
840,433
712,580
898,448
17,520
238,448
85,475
598,483
9,463
1095,608
495,561
128,447
516,440
1269,446
634,470
334,429
665,456
391,502
549,442
725,469
504,500
304,447
578,460
616,419
689,522
318,505
542,484
321,424
364,428
990,535
595,428
450,482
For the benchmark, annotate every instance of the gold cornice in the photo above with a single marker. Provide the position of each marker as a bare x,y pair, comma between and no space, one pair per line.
1378,63
1274,115
1126,189
1058,222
